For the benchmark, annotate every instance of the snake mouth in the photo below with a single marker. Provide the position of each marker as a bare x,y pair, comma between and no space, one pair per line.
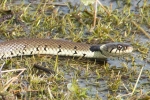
129,49
116,49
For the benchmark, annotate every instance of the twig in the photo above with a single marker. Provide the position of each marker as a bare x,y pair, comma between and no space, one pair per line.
43,69
1,69
141,29
13,70
12,80
134,85
95,13
55,4
103,7
137,80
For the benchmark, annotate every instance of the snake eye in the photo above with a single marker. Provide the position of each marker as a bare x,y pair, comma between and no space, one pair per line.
119,47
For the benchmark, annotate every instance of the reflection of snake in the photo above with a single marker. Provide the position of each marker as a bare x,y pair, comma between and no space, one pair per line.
64,48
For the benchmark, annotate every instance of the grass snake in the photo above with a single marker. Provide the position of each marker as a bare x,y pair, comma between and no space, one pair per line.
22,47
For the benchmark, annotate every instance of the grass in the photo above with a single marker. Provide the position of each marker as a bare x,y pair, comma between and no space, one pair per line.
75,79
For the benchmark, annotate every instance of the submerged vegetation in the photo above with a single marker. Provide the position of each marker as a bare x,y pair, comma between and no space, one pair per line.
69,78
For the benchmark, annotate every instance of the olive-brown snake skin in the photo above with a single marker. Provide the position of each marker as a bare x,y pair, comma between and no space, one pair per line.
22,47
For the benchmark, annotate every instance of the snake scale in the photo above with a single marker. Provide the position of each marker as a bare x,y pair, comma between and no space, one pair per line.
22,47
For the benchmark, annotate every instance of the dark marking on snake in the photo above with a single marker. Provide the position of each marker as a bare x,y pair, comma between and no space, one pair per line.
59,51
111,50
59,46
19,52
37,48
11,53
3,56
45,48
83,55
24,48
31,52
116,50
75,52
75,47
95,48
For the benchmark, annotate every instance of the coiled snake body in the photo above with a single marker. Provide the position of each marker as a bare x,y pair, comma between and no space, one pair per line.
59,47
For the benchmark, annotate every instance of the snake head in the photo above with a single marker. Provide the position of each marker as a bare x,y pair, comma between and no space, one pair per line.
113,49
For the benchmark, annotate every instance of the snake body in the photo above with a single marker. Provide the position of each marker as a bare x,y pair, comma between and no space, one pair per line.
22,47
